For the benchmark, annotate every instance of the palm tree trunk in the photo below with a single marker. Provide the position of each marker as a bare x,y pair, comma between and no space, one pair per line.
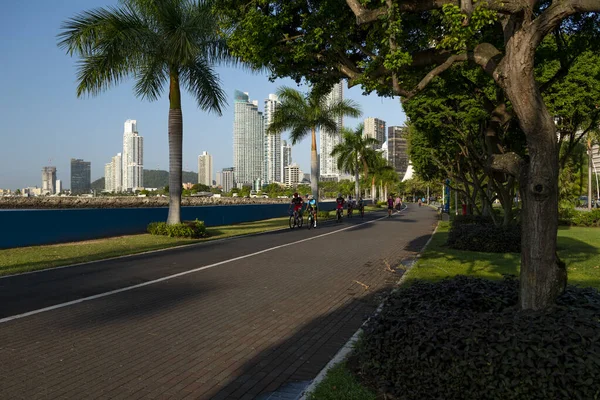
175,150
373,189
356,180
314,167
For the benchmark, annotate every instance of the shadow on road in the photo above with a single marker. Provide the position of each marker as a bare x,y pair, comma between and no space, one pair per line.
283,370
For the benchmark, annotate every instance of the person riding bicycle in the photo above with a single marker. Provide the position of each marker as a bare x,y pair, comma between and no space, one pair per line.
297,204
311,207
339,203
361,204
351,205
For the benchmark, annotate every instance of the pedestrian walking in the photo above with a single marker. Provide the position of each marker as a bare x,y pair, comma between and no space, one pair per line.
390,203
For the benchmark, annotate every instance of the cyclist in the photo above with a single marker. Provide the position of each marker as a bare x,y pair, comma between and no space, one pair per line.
361,205
350,206
297,203
311,207
339,203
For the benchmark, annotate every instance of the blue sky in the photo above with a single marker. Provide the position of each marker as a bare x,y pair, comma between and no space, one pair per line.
42,122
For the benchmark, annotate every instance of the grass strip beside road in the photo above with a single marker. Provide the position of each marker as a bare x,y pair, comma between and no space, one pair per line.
35,258
578,247
341,384
25,259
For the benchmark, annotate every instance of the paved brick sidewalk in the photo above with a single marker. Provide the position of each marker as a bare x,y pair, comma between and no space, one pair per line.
236,331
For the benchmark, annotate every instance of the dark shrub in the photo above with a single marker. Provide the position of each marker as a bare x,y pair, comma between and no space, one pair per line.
485,237
471,219
464,339
188,229
323,215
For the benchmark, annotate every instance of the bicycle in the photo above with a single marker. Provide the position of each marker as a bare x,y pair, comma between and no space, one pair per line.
361,208
310,218
350,210
295,220
339,214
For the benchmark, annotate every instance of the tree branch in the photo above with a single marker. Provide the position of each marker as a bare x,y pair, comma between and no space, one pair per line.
558,11
508,163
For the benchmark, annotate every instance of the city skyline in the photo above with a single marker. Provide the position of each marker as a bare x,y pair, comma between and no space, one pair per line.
54,125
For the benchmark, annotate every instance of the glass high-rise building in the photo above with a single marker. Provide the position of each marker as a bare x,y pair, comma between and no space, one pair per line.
81,176
286,158
133,157
272,166
228,179
328,140
375,128
397,150
248,140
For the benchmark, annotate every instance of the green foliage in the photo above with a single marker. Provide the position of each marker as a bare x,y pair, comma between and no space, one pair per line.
323,215
192,229
570,216
341,384
463,339
461,35
475,233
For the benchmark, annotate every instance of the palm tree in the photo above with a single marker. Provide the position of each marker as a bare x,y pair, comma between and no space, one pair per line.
304,113
156,42
354,153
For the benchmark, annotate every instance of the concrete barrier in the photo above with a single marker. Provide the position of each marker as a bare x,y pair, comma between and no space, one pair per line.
20,228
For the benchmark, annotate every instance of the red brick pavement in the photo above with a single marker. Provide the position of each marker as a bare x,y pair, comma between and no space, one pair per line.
230,332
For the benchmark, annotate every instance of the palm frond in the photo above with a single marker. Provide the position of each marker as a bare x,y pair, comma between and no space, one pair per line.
151,77
204,84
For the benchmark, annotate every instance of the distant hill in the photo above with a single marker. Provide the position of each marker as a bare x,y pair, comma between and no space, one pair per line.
154,178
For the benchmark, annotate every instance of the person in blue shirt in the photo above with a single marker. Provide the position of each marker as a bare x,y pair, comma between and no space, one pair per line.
311,206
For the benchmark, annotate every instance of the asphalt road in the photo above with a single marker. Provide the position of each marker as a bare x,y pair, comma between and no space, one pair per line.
237,318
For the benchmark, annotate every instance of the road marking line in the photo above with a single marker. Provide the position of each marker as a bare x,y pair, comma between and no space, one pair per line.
166,278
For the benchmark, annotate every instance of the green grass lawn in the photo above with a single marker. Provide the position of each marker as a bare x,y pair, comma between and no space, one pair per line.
341,384
33,258
578,247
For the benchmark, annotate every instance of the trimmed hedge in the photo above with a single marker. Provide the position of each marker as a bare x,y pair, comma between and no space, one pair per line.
192,229
465,339
485,237
572,217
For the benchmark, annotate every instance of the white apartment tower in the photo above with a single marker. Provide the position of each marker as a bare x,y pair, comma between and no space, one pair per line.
328,140
133,157
272,167
228,179
286,158
113,174
248,140
205,169
293,175
375,128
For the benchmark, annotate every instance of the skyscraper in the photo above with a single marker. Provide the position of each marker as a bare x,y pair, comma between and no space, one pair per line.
205,169
272,168
219,178
397,150
49,180
228,179
248,140
133,157
81,176
375,128
328,140
286,158
113,176
293,175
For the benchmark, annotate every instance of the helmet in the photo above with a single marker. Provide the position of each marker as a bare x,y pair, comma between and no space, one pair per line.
296,194
339,195
310,196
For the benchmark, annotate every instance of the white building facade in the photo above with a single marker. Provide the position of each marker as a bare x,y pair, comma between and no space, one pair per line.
228,175
272,168
375,128
248,140
205,169
133,157
293,175
113,174
328,140
49,180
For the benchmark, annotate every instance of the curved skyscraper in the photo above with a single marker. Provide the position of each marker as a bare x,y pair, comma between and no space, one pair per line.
248,140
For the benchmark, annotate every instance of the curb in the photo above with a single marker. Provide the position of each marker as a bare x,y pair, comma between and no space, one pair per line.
341,355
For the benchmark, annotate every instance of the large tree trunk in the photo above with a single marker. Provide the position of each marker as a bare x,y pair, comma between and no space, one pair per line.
314,167
373,196
175,151
543,276
356,184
